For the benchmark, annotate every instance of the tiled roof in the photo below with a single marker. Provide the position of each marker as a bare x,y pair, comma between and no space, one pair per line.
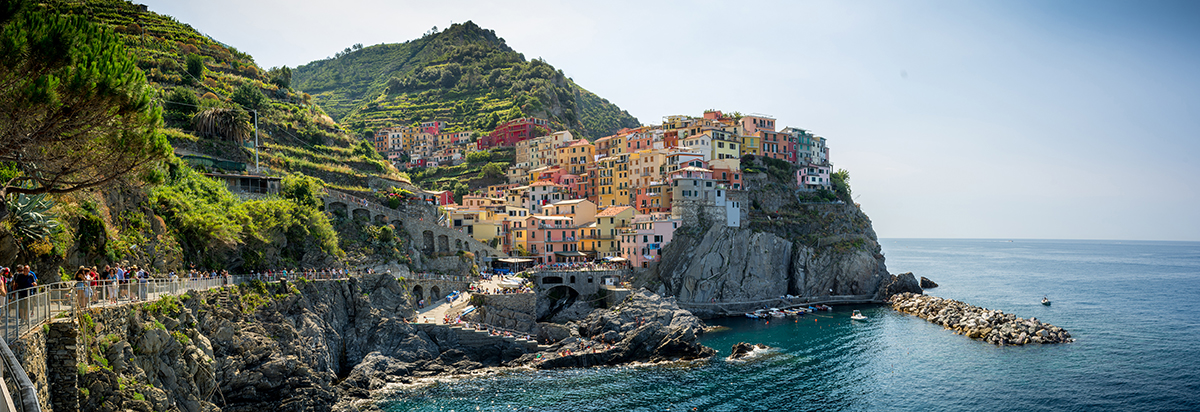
613,211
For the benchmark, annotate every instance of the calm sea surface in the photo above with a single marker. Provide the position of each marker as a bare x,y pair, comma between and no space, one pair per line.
1134,308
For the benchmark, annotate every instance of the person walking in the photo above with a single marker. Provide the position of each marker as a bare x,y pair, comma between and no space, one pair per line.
4,274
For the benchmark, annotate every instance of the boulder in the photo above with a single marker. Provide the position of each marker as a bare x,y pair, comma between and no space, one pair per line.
743,349
927,284
897,284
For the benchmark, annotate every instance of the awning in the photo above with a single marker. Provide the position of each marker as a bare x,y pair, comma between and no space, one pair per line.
515,260
570,254
618,259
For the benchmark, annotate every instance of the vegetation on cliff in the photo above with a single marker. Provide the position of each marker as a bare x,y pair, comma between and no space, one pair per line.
464,75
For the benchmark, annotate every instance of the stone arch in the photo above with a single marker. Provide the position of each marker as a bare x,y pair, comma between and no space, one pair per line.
572,279
428,237
419,292
552,280
443,243
337,207
362,214
398,224
435,293
467,246
562,291
381,219
458,244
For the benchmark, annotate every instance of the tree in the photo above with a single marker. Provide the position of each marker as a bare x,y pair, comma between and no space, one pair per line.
75,110
195,66
841,184
481,156
280,77
492,170
224,123
249,96
302,189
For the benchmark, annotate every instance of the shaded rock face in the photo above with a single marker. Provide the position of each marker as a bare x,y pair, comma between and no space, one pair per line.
740,265
897,284
645,327
302,346
927,284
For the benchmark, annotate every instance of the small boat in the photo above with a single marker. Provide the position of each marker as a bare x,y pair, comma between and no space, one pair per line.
751,315
1045,301
857,315
775,312
824,307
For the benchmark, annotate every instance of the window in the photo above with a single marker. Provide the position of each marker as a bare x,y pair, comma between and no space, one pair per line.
645,238
708,184
657,238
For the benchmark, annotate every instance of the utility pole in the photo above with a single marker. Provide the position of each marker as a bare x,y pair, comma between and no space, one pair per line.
256,168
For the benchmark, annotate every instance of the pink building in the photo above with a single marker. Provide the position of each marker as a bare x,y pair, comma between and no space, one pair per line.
649,234
813,177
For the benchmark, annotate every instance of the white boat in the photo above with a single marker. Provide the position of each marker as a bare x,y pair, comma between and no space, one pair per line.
775,312
857,315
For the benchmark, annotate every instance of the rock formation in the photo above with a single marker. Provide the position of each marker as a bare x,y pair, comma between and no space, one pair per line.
927,284
992,326
742,349
644,328
772,258
896,284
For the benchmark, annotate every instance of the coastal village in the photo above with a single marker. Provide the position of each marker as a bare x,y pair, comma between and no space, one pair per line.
617,198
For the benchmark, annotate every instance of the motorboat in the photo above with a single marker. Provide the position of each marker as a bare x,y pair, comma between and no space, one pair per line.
775,312
751,315
825,308
857,315
1045,301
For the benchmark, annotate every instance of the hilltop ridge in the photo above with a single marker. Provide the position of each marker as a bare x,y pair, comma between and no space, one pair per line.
465,75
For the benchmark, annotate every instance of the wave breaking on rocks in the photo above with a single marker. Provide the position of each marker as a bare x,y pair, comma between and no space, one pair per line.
991,326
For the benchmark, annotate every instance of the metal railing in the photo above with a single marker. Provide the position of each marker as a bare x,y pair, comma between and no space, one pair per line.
19,392
26,309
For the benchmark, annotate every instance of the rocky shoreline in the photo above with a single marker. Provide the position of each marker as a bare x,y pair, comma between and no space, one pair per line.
991,326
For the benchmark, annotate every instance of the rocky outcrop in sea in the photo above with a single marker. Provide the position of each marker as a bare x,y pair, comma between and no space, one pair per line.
927,284
643,328
992,326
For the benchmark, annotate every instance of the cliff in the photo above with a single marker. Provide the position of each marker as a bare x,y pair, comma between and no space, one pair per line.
311,346
790,245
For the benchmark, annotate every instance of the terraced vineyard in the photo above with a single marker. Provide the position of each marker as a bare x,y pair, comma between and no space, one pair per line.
465,75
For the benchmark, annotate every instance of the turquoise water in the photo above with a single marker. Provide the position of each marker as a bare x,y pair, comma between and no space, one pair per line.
1131,306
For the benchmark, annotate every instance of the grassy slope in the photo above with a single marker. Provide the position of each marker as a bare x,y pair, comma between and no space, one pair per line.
464,75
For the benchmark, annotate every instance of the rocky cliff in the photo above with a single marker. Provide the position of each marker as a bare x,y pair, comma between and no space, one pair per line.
319,346
786,247
645,328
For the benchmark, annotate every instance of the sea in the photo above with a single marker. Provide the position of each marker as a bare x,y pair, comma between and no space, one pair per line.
1132,306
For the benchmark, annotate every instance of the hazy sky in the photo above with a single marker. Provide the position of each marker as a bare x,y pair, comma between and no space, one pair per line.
1009,119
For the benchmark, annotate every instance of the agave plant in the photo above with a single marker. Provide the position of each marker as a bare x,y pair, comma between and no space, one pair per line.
223,122
30,218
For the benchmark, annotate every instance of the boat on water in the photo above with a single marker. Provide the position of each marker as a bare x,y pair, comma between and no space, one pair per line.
758,314
858,315
775,312
1045,301
824,307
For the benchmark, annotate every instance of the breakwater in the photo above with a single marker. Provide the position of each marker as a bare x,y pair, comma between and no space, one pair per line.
992,326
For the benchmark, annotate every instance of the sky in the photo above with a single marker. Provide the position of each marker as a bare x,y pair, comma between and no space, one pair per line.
1009,119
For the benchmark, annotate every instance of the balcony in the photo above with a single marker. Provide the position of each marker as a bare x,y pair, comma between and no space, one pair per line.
598,237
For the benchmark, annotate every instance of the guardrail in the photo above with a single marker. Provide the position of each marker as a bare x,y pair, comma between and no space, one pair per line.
23,397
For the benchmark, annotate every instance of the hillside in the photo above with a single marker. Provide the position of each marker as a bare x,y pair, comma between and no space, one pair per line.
169,216
464,75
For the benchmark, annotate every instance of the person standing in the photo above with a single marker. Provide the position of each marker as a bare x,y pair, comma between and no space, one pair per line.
82,290
143,280
4,272
23,282
121,281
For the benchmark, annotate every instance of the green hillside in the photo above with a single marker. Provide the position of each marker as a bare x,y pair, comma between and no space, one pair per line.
186,66
168,215
464,75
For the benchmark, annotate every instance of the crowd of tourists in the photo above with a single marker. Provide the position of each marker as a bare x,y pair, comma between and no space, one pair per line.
129,283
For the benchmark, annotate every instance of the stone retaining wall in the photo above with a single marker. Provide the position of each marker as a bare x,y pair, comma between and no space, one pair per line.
514,312
31,353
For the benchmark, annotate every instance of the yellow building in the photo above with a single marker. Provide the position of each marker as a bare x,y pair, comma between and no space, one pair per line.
575,156
606,190
725,145
605,236
749,145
